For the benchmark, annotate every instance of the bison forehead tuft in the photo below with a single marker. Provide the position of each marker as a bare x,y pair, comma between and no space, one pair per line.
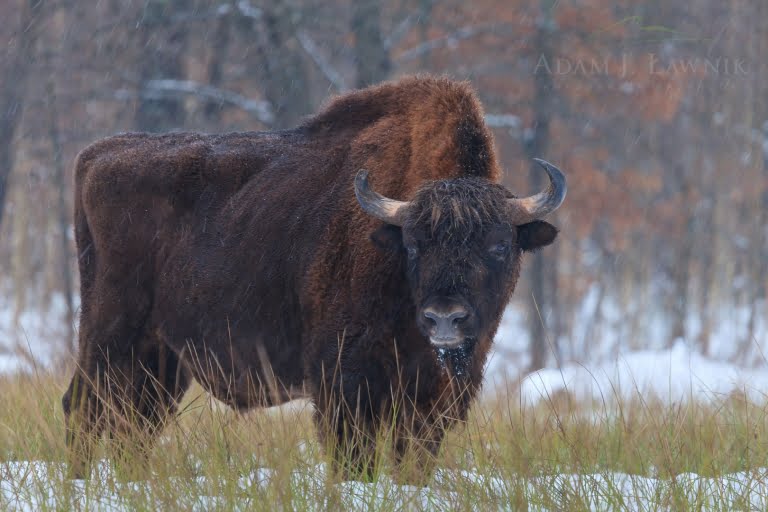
458,207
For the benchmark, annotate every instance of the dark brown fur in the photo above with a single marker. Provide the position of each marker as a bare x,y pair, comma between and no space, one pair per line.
243,261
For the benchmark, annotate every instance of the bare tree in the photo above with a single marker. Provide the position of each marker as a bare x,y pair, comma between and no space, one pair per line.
219,47
371,54
543,268
281,66
13,74
162,59
63,212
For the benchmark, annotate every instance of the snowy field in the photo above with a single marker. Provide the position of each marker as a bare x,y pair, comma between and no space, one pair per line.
31,339
673,375
33,486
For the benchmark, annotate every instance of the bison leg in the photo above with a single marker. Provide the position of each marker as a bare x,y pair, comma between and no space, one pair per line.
134,401
416,444
348,437
422,425
351,429
157,384
362,400
351,402
84,421
112,334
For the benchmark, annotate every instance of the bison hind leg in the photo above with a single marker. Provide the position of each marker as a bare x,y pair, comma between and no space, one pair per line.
133,400
84,423
141,411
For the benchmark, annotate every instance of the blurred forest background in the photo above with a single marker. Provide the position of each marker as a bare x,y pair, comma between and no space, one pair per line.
656,110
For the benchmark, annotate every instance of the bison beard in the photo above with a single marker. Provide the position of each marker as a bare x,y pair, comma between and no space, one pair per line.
266,266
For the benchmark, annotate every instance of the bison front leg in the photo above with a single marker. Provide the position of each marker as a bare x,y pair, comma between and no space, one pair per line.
423,421
352,429
348,432
351,397
416,444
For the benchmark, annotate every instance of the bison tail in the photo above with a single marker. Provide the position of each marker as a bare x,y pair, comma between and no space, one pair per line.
86,254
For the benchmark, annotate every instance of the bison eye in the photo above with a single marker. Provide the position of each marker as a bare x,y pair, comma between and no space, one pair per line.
499,250
412,252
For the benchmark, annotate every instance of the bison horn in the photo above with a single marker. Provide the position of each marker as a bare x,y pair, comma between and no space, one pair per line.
528,209
375,204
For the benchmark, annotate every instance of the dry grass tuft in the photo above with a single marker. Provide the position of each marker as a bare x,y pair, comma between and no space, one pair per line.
508,456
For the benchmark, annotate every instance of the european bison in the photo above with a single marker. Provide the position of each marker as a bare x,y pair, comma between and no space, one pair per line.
267,266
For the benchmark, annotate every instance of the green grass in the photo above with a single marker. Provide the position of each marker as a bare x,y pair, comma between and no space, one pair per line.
211,451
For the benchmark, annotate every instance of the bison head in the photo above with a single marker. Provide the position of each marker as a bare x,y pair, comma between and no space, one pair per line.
462,241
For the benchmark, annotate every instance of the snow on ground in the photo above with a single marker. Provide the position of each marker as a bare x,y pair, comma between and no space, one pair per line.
609,375
32,338
38,485
673,375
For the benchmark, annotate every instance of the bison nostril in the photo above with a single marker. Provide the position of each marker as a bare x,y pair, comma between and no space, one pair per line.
431,318
445,323
458,317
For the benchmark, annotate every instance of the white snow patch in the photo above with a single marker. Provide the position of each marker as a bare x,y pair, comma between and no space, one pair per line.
32,338
673,375
36,485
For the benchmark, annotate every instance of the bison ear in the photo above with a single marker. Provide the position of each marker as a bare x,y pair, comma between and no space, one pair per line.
535,235
388,238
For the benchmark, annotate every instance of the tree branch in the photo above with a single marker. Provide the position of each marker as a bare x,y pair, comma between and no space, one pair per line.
503,121
309,46
449,40
158,89
398,32
512,122
248,10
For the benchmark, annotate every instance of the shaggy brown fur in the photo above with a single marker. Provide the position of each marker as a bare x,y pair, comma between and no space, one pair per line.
243,261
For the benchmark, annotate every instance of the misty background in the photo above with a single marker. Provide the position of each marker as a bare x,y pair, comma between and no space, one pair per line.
656,111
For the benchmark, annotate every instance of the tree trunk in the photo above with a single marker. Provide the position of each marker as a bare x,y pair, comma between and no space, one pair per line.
283,74
62,213
162,60
681,274
425,15
543,269
12,86
212,109
760,75
371,57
